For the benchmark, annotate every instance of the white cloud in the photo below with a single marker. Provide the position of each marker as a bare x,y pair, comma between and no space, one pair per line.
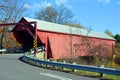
68,6
75,18
104,1
42,5
27,6
61,2
118,2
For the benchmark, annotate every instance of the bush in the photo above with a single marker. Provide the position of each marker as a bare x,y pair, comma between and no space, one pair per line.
87,60
117,56
117,59
118,45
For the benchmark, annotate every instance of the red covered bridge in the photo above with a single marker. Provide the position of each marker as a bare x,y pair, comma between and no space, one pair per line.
63,41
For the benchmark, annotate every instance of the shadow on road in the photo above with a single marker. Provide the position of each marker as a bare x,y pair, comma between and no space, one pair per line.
11,56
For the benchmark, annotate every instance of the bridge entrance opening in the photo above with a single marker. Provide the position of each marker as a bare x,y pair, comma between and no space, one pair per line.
26,36
26,40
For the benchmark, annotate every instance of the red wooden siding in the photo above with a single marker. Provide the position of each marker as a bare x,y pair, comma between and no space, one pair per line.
59,45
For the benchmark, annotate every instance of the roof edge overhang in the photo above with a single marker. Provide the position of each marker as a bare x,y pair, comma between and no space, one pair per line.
21,20
53,30
75,35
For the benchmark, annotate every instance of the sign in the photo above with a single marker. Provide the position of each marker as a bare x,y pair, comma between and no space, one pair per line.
1,30
34,43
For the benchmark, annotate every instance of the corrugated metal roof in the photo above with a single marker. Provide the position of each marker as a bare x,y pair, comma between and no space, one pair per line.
48,26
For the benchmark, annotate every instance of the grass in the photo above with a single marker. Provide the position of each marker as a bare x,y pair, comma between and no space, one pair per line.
112,64
87,73
112,77
94,74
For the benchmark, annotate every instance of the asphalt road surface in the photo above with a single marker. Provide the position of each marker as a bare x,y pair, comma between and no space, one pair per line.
11,68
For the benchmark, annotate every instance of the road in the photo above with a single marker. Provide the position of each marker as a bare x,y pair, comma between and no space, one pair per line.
11,68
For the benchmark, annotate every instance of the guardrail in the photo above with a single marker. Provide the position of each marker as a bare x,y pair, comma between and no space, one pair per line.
78,67
3,50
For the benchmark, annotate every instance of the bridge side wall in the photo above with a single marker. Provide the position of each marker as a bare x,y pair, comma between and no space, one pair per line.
60,45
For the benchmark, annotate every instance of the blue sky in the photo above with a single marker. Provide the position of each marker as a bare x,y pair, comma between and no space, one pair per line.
97,14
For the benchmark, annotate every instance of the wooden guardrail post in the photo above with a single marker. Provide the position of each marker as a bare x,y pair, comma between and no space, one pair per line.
101,74
54,61
46,64
73,70
63,67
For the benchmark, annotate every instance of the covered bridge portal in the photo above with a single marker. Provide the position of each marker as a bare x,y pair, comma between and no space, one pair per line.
22,31
62,41
25,35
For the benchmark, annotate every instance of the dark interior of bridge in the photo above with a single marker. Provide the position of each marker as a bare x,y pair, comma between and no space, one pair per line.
26,40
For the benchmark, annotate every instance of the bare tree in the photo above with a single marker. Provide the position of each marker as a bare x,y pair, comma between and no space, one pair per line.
10,11
77,25
109,33
61,15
